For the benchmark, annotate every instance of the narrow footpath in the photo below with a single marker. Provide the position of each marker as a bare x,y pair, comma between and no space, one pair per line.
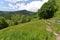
49,28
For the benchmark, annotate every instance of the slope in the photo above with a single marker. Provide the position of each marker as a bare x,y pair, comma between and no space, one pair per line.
35,30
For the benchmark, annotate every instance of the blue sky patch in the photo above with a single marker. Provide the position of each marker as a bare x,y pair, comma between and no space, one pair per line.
14,5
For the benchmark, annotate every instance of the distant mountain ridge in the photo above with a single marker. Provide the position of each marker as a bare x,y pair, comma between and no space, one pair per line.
25,12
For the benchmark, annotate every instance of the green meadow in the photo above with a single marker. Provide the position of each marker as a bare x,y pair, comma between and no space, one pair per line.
35,30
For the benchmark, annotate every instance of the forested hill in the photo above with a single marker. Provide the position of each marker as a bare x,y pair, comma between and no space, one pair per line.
25,12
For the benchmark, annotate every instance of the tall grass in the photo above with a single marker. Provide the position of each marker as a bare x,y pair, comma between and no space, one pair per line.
56,27
35,30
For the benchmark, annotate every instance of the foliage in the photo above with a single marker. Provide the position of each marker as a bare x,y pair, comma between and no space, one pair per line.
10,22
15,18
25,19
34,17
3,23
47,10
57,14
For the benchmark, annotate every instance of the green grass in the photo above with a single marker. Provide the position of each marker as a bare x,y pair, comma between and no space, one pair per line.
35,30
56,27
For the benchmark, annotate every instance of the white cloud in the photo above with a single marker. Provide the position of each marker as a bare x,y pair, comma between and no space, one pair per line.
23,0
14,1
18,6
35,5
32,6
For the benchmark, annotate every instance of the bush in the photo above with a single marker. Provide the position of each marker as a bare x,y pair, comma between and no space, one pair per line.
3,23
10,22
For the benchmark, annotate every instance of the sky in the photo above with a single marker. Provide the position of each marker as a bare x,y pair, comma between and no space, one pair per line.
15,5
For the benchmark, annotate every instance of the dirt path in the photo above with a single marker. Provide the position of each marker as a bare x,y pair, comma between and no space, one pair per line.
49,28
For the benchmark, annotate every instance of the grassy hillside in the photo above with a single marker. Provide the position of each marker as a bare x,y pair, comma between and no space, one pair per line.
35,30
